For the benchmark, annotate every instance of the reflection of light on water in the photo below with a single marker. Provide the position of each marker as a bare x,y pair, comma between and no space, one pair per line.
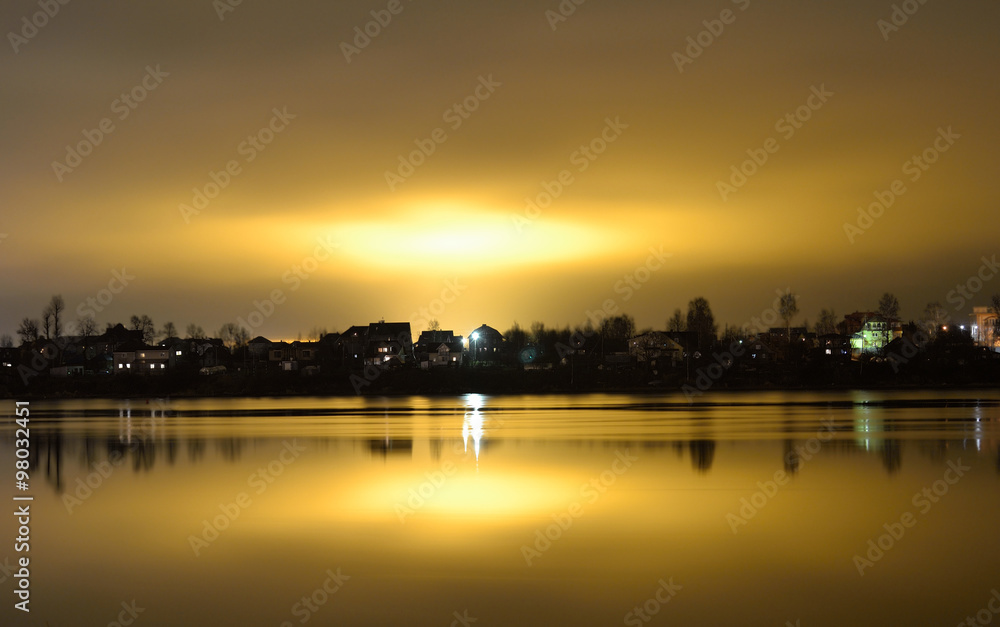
978,413
864,425
147,428
472,423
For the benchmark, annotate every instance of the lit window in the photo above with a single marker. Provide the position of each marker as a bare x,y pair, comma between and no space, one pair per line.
128,365
162,366
121,365
178,353
151,366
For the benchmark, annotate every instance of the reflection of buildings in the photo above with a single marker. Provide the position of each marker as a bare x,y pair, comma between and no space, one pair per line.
702,454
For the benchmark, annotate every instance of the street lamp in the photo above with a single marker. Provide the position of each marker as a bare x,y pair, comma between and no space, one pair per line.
475,356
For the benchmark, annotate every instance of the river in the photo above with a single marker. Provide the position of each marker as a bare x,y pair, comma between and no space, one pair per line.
840,508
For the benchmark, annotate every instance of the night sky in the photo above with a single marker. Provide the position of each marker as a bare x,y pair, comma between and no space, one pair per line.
623,131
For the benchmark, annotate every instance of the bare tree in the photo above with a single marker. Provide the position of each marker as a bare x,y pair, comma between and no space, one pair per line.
195,332
168,330
87,326
233,335
676,321
316,333
934,316
47,321
701,321
788,308
56,307
888,308
6,341
145,324
827,322
28,330
433,325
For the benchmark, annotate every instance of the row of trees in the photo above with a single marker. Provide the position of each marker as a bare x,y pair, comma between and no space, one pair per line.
698,320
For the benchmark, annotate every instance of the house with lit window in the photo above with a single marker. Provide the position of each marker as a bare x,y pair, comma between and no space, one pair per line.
389,343
869,332
439,348
136,357
486,346
655,346
985,331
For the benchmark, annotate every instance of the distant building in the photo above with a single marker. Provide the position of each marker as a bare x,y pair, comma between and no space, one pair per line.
984,328
439,348
869,331
655,346
136,357
486,346
388,343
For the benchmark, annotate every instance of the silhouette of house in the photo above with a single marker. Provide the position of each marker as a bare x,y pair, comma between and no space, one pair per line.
486,346
136,357
388,343
349,348
439,348
655,346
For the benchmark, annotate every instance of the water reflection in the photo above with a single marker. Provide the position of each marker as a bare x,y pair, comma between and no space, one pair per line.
432,500
146,433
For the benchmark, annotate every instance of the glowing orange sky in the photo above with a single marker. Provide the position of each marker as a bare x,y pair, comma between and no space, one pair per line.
323,174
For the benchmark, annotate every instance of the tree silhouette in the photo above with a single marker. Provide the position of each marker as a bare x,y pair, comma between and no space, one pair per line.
169,330
56,307
676,321
701,322
788,307
827,322
28,330
888,308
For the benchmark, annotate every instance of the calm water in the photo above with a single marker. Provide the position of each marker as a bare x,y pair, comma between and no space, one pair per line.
752,509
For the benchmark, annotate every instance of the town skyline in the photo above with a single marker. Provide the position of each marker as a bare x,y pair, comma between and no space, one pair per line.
347,156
